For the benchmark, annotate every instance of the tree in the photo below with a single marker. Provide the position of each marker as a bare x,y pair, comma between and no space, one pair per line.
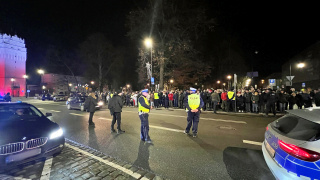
100,57
170,24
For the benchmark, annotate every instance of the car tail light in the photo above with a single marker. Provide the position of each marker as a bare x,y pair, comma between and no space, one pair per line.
299,152
267,128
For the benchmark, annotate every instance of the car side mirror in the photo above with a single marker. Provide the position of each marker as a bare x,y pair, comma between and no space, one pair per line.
48,114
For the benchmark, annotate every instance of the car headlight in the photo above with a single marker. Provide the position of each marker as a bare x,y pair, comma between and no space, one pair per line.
100,103
56,134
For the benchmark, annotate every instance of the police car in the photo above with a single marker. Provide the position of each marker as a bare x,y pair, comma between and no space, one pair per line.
291,147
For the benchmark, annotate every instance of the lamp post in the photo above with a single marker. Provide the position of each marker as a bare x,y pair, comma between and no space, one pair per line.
218,82
148,44
171,82
26,77
229,78
300,66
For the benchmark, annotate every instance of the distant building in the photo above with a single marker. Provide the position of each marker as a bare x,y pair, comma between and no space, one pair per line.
13,55
307,76
58,83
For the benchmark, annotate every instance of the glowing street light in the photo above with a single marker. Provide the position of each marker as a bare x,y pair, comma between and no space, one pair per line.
12,79
25,76
218,82
40,71
148,42
301,65
70,84
128,85
92,82
229,77
43,87
262,81
171,81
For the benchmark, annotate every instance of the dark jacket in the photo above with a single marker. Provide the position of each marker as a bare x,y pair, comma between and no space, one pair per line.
255,99
282,98
215,97
272,98
203,95
292,99
115,104
240,100
247,96
90,104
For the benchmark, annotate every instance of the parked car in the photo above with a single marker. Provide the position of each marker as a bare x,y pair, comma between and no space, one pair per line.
292,145
59,97
77,102
26,134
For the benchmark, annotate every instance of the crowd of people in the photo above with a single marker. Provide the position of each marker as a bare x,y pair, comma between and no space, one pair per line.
246,100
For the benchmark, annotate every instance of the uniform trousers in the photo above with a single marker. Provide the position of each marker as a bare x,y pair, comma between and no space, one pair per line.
193,118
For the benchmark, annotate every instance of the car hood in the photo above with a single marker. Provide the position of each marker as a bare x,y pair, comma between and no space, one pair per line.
16,131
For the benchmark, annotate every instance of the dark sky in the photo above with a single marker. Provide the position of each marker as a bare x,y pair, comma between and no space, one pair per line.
276,31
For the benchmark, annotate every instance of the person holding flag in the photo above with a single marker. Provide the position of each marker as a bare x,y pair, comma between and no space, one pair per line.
193,104
144,109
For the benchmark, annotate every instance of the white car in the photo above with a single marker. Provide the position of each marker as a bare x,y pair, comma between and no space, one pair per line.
291,147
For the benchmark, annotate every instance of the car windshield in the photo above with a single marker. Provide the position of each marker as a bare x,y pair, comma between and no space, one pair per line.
12,112
297,128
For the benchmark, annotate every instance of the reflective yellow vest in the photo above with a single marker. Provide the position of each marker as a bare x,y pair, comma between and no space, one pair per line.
230,94
156,96
141,108
111,95
193,101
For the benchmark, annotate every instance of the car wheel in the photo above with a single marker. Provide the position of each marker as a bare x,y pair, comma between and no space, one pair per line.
82,108
68,106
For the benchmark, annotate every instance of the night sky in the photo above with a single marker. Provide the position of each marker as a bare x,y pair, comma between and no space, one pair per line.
276,31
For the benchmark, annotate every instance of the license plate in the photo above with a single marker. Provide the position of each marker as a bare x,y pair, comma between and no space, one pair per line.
23,155
270,150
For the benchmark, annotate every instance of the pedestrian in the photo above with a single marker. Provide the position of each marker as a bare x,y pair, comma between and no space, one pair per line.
170,96
115,107
317,97
231,100
152,99
144,109
215,98
224,99
193,104
90,104
271,102
156,99
181,100
203,96
128,99
165,99
292,100
247,95
262,101
255,102
175,99
282,101
7,97
240,102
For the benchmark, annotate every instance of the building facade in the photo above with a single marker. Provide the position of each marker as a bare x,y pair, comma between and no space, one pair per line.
58,83
307,74
13,56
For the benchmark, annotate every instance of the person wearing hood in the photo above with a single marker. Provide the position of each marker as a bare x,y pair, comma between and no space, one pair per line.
193,104
90,104
115,107
144,109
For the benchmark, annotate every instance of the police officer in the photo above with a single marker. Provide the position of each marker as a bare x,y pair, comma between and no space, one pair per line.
144,109
193,104
231,100
272,99
156,99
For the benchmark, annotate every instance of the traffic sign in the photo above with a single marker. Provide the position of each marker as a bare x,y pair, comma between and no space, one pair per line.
303,85
272,82
152,80
290,78
28,91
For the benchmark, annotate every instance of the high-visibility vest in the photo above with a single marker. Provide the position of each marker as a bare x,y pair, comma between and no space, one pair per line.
230,95
156,96
193,101
141,108
111,95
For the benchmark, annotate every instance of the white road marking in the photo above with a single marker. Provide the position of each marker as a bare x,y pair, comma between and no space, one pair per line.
208,119
41,108
125,170
157,127
168,129
252,142
55,111
45,175
75,114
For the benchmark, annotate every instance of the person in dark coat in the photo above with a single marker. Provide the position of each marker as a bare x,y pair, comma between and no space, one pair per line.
299,100
181,100
282,101
166,99
247,95
292,100
7,97
306,99
272,99
128,97
203,96
317,97
115,107
90,104
240,102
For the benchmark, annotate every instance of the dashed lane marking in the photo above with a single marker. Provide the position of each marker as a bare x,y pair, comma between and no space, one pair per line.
151,126
55,111
45,175
208,119
123,169
252,142
75,114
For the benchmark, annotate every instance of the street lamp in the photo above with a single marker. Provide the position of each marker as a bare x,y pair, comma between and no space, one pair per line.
26,77
229,77
92,82
41,72
70,84
148,44
300,65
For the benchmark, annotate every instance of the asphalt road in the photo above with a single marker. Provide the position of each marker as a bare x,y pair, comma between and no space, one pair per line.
227,146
